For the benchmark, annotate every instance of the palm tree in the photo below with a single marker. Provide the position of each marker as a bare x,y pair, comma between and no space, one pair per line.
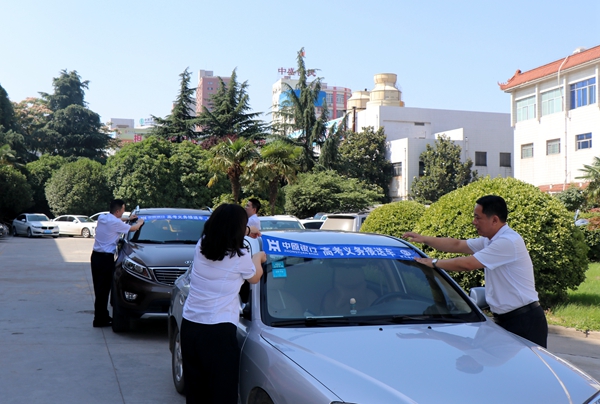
232,157
8,157
298,114
279,162
592,174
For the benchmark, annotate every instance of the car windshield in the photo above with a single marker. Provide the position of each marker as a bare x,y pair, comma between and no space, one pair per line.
182,229
321,292
279,224
37,218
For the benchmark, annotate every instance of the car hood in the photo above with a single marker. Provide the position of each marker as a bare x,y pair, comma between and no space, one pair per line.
43,223
161,255
431,364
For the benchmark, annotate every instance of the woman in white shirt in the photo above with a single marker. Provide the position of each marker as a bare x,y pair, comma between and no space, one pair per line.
210,351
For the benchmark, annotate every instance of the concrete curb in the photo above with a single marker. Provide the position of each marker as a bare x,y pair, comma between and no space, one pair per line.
572,332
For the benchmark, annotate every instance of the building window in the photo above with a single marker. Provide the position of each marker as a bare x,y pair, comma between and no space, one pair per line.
397,169
583,93
553,146
526,109
505,159
329,98
419,123
421,168
584,141
481,158
552,101
527,151
339,98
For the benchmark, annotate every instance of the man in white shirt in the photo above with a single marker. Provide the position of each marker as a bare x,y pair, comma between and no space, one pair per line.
108,230
509,281
252,208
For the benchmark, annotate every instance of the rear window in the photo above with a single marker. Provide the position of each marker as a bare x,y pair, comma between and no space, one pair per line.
279,224
339,223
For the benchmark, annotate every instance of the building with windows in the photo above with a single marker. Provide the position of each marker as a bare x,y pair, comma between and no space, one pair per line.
335,97
125,131
484,137
207,86
555,115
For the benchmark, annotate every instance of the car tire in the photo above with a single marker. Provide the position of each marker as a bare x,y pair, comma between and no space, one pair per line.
120,321
29,234
85,233
177,363
14,232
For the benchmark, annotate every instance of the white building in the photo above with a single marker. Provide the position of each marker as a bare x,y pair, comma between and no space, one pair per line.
484,137
555,114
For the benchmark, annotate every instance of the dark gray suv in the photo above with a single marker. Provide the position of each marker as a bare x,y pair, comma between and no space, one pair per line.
150,260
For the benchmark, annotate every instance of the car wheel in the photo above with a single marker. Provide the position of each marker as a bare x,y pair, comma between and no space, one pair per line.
85,232
120,321
177,363
259,396
29,232
14,232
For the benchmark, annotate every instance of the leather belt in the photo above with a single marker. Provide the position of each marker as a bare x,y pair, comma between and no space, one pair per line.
517,312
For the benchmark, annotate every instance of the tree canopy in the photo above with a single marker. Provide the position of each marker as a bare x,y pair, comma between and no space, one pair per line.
229,114
444,172
15,192
362,155
327,191
180,124
78,188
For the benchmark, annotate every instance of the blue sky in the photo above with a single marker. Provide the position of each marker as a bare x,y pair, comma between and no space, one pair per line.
447,54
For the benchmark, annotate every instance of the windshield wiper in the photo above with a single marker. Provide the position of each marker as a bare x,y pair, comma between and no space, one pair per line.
180,241
312,321
150,241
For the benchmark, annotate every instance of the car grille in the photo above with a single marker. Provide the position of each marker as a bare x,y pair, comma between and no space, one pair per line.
168,276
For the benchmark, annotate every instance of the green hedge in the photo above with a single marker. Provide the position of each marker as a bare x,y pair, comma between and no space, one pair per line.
394,218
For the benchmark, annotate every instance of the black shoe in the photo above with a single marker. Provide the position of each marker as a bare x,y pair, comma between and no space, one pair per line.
103,323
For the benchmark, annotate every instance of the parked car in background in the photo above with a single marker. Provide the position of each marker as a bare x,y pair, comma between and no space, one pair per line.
312,223
150,259
279,222
343,317
76,225
344,221
582,222
34,225
94,217
4,230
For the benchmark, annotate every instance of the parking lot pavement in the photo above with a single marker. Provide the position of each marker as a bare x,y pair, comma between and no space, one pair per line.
50,353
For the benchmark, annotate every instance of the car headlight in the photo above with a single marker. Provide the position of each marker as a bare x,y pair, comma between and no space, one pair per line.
136,269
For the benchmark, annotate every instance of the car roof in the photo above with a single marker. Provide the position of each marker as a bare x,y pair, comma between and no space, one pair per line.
173,211
326,237
279,217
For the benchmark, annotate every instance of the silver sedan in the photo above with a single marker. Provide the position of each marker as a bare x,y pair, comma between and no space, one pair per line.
352,318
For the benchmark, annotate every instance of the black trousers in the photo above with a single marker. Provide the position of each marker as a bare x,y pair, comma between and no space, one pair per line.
531,325
211,356
103,268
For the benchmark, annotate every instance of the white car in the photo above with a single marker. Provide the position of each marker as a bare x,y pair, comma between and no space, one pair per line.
76,225
280,222
94,217
34,225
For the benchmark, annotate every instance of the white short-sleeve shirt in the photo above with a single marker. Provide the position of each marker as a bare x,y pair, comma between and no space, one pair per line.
214,288
254,221
509,280
108,230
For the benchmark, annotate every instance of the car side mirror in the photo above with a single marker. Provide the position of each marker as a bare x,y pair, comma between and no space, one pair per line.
477,295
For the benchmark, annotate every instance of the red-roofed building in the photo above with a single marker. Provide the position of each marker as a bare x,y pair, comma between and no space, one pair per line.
555,114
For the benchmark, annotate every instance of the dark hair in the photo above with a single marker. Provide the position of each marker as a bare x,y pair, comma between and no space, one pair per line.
255,203
116,204
224,232
494,205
